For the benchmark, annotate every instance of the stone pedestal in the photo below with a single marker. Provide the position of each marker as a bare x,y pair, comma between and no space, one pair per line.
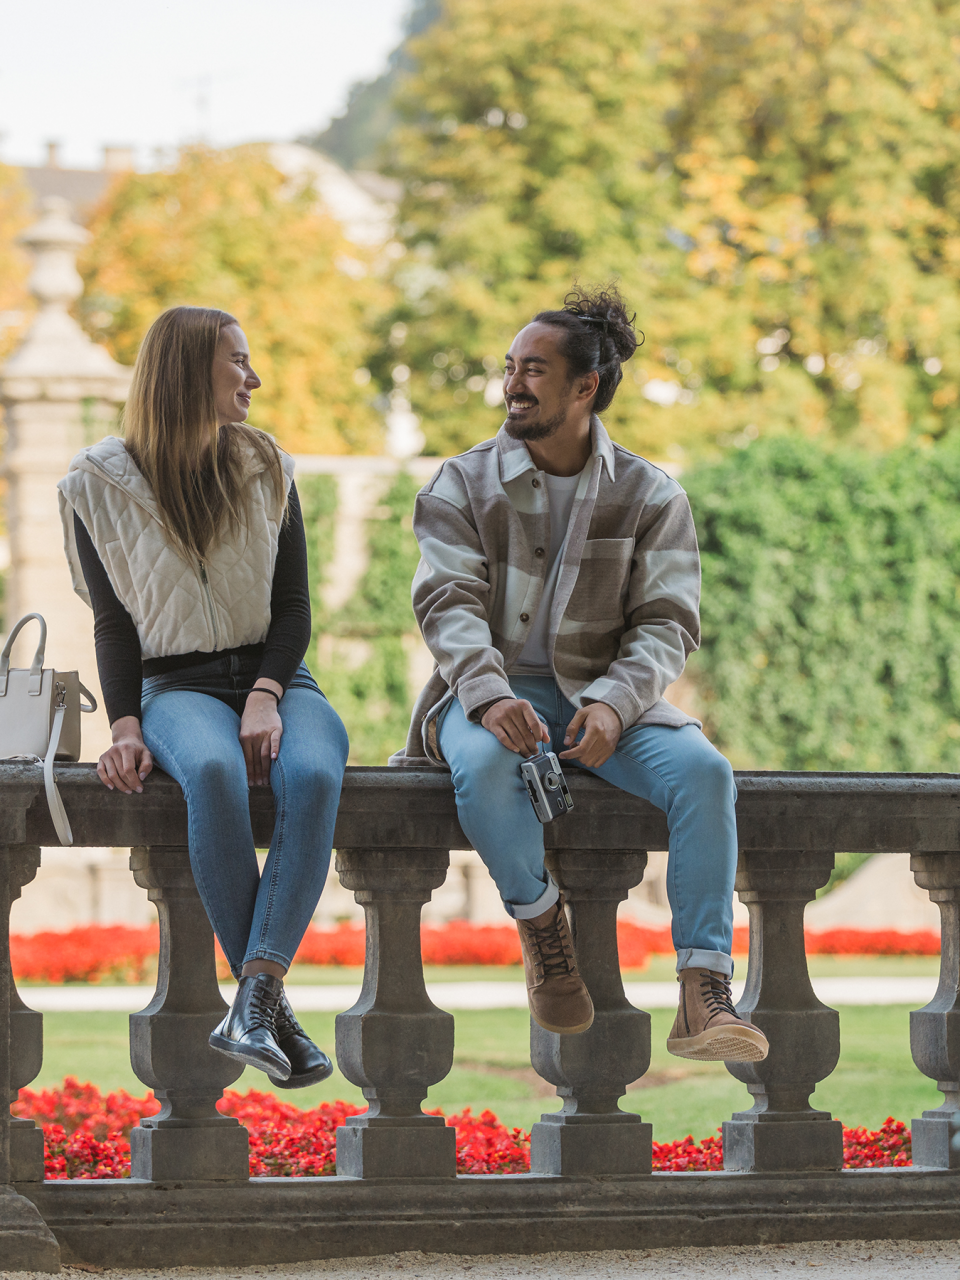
394,1043
189,1140
935,1029
590,1134
59,391
781,1131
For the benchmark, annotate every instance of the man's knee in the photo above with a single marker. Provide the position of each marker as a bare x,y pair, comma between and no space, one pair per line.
710,776
483,762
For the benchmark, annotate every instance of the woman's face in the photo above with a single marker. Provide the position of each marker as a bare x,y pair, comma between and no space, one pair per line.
233,379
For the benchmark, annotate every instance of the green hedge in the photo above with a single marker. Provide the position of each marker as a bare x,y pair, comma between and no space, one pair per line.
831,606
373,697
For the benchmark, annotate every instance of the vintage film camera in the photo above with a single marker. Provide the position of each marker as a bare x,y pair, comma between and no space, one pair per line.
546,786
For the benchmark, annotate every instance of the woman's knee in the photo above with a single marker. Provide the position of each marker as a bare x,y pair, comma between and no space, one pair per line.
216,777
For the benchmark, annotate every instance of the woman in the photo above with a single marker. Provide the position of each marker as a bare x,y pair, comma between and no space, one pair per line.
187,539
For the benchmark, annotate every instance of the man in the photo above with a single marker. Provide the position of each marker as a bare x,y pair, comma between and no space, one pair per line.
558,591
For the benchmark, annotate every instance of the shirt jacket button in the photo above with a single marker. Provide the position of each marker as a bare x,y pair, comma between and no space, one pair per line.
536,483
539,551
524,617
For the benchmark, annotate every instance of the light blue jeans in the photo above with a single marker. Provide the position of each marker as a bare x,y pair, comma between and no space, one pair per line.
678,770
191,723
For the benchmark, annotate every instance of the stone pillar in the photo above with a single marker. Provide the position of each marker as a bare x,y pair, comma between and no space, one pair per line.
26,1242
935,1029
590,1134
394,1043
26,1038
189,1140
782,1131
59,392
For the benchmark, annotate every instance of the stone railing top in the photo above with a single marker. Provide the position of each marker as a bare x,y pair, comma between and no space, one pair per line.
409,808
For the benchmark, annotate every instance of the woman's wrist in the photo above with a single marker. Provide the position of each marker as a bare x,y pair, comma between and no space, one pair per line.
126,727
271,687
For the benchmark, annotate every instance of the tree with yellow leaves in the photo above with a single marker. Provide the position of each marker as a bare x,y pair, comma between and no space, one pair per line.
226,229
775,186
15,301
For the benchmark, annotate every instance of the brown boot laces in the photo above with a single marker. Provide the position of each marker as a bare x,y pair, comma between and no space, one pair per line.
553,949
717,994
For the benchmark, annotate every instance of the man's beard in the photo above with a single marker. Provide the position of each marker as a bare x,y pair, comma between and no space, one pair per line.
537,430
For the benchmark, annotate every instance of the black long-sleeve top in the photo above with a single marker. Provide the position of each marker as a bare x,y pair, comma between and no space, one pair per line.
119,658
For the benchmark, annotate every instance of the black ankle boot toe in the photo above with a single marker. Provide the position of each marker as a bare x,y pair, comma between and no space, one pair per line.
248,1032
308,1063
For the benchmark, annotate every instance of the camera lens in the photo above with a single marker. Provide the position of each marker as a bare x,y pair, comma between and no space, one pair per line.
551,781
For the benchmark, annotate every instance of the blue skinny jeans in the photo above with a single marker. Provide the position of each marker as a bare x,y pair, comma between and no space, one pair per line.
191,723
678,770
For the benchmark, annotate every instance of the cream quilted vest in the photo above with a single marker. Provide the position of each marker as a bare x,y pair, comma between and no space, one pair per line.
178,605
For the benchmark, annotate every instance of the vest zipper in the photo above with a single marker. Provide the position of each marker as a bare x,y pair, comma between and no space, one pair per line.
213,611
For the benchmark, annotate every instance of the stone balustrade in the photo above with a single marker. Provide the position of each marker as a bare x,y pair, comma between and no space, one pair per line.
190,1199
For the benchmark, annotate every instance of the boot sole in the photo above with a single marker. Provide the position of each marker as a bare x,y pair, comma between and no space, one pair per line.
249,1059
722,1045
301,1081
562,1031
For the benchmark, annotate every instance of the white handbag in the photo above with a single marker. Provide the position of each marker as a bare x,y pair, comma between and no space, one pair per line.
40,717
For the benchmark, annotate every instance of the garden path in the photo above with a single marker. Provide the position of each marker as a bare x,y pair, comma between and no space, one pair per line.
504,994
833,1260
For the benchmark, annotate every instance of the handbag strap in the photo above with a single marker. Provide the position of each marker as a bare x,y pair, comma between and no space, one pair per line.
57,812
87,694
36,667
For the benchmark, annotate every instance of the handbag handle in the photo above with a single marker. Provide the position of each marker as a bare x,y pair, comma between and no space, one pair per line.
36,667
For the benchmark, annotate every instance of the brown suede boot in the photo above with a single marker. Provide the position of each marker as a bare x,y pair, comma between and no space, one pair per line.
707,1027
558,999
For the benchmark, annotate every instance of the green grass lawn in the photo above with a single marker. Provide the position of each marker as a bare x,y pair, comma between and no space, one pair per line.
876,1076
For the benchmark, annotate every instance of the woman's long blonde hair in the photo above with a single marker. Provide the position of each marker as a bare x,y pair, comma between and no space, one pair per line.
169,420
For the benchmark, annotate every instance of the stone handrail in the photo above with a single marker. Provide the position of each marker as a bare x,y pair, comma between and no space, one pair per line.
590,1161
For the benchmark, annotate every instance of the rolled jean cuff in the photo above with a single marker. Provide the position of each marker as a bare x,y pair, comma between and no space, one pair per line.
695,958
526,911
264,953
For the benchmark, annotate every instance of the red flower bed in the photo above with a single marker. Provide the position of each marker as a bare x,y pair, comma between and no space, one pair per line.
96,952
87,1135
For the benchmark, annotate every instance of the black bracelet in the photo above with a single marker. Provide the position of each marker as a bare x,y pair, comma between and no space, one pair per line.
272,692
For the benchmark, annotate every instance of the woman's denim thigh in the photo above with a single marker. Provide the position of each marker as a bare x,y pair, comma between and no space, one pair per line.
196,739
306,778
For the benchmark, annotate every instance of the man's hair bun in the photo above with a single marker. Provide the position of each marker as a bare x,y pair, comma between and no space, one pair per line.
598,335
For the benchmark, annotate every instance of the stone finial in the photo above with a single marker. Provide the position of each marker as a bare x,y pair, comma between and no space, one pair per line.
56,352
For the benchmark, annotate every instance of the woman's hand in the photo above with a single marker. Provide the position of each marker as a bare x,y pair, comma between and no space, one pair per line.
260,731
128,761
601,733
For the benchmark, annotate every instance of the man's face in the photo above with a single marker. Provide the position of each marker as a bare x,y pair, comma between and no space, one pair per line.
536,384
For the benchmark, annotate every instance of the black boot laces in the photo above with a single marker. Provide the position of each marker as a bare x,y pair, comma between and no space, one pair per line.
264,1006
286,1020
554,950
717,993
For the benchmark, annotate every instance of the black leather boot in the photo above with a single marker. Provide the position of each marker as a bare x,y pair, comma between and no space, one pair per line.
309,1065
248,1032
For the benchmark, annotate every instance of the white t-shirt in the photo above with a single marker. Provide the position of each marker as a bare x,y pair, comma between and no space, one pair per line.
534,660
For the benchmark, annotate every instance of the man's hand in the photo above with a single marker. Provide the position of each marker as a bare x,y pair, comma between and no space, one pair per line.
128,761
601,733
514,722
260,732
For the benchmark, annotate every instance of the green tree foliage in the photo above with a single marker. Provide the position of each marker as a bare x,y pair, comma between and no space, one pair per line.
774,185
830,606
226,229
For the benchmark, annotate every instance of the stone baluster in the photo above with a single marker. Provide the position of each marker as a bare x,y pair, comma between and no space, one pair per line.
782,1131
26,1242
590,1134
188,1140
26,1038
394,1043
935,1029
